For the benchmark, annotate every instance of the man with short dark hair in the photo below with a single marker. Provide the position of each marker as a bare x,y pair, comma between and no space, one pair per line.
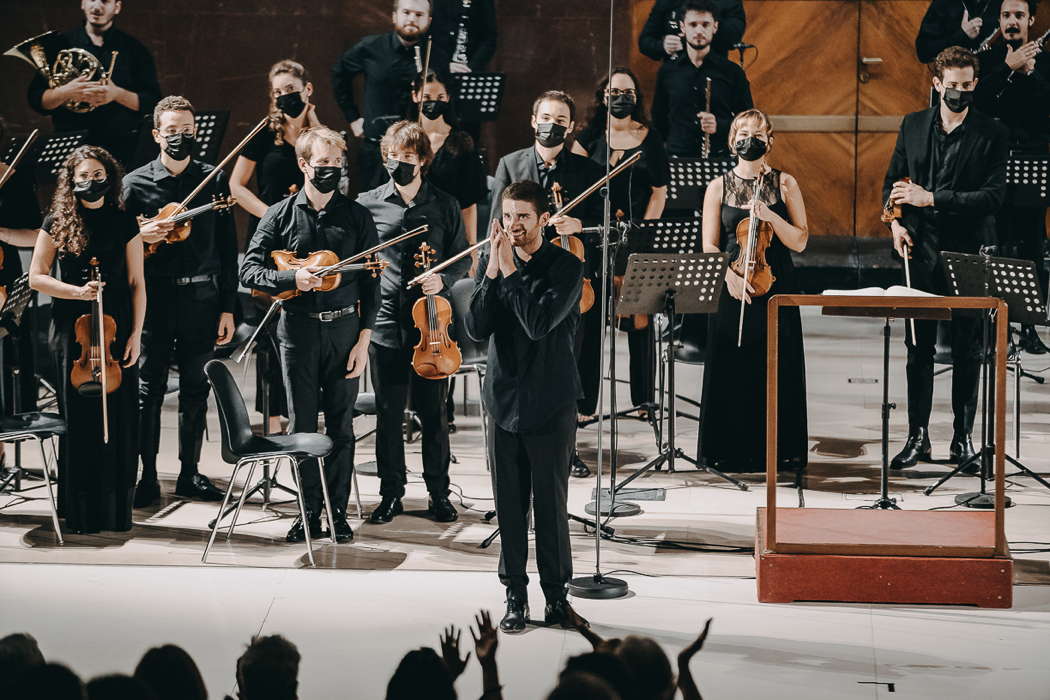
662,40
389,62
526,305
955,158
679,102
192,290
119,104
268,670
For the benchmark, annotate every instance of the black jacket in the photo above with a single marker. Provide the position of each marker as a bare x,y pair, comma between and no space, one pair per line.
965,214
731,24
1021,102
942,26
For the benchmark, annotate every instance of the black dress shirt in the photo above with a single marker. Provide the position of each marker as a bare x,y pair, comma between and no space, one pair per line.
477,20
389,68
680,97
393,326
942,27
530,322
211,248
343,227
112,126
664,17
1020,101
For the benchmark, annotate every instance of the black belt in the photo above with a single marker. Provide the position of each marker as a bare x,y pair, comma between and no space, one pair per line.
196,279
329,316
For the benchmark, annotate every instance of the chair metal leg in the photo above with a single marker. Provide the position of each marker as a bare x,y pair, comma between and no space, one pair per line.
484,423
222,509
327,501
50,493
357,495
302,509
240,501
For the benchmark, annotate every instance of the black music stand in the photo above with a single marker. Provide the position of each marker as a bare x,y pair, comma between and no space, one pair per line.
1028,180
19,295
689,178
211,128
53,152
669,284
478,95
1016,283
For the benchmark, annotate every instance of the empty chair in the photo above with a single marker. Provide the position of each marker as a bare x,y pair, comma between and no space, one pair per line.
475,354
39,427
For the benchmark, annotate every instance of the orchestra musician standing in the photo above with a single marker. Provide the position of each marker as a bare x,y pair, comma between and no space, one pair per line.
323,336
192,288
406,201
87,223
964,23
661,37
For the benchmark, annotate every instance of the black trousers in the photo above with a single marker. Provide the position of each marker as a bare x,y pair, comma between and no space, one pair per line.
536,465
393,379
180,328
588,358
313,360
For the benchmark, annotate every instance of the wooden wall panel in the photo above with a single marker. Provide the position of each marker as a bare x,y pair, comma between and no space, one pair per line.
873,158
900,84
823,165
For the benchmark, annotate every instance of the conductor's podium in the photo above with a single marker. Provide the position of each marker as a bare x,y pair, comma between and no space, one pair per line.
884,556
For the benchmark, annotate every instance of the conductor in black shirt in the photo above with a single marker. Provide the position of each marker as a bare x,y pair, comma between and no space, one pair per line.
117,105
323,336
192,291
964,23
526,304
661,38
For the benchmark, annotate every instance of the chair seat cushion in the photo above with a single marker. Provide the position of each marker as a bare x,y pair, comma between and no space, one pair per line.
365,404
43,424
299,445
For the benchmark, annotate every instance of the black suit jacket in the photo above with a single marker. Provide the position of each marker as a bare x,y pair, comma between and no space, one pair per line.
966,211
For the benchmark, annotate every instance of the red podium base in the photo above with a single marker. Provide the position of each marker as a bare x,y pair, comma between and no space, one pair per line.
876,556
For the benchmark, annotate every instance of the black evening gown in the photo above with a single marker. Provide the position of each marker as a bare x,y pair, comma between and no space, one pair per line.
96,480
733,413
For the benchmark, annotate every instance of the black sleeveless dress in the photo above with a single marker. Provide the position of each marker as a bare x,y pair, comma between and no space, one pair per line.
733,413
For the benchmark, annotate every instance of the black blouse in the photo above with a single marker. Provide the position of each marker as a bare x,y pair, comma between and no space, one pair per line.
457,169
630,191
276,169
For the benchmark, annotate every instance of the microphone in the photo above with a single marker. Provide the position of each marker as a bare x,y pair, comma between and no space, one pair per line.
621,227
740,46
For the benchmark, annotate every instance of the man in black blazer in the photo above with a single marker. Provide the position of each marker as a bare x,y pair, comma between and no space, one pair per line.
956,160
549,161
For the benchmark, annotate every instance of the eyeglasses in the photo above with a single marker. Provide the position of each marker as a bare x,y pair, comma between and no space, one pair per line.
616,92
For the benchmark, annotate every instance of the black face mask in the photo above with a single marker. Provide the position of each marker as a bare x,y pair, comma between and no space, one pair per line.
401,172
957,100
326,178
92,190
550,134
291,104
750,148
432,109
179,146
622,106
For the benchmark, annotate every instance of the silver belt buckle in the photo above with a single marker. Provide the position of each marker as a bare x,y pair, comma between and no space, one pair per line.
326,316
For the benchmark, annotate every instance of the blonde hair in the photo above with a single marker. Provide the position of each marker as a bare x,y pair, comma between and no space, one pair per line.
310,138
749,115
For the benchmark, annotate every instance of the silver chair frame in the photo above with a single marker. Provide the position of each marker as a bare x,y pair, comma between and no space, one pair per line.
22,436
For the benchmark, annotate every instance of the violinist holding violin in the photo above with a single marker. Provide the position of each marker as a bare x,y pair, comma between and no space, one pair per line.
192,288
88,223
323,336
406,201
733,404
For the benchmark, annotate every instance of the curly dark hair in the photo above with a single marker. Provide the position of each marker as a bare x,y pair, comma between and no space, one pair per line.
598,114
955,57
67,225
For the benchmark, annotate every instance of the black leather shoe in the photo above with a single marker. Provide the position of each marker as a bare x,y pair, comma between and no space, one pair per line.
917,447
147,493
343,531
578,468
442,509
296,533
559,612
1031,343
517,612
961,449
387,510
198,487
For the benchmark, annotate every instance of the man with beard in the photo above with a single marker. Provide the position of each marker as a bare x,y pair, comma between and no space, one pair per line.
965,23
119,104
526,304
1015,88
389,62
661,37
679,101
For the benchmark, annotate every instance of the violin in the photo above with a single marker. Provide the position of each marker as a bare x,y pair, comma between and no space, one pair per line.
575,246
330,272
754,236
636,322
95,372
436,355
891,211
177,214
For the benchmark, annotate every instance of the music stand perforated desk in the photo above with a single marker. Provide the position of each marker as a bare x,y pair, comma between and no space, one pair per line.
689,177
478,95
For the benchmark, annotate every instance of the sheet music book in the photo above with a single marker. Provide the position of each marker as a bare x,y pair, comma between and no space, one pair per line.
892,291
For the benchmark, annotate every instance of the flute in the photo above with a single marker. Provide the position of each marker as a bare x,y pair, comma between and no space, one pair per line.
706,148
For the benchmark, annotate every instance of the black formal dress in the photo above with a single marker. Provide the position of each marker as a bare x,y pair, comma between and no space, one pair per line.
966,172
733,404
96,480
457,169
630,193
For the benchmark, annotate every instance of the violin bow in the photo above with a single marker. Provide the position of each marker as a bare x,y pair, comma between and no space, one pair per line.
907,282
223,163
423,80
21,152
102,359
748,256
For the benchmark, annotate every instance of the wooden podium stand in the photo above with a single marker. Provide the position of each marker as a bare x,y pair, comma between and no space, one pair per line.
883,556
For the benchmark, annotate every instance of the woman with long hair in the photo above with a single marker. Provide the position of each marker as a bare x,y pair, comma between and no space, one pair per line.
732,433
87,222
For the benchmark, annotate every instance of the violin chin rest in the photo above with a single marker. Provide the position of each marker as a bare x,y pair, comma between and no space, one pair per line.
91,390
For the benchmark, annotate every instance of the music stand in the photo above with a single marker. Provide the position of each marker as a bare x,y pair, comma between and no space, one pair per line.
1017,284
53,152
478,95
18,297
689,178
211,128
1028,180
669,284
